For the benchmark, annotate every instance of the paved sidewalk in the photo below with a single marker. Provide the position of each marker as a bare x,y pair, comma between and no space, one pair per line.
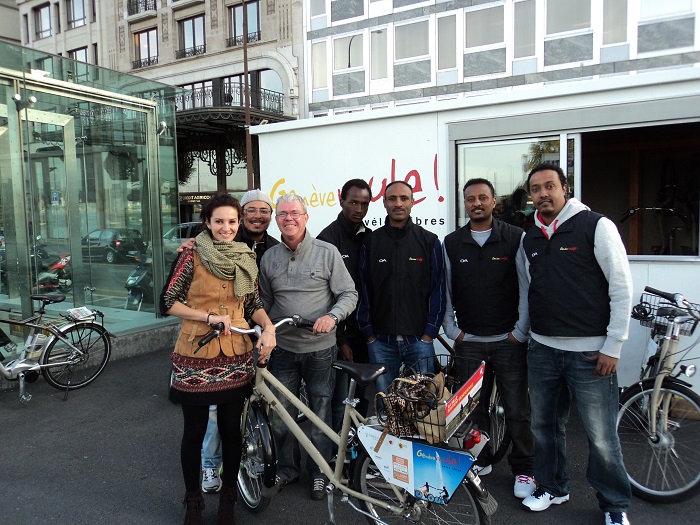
110,455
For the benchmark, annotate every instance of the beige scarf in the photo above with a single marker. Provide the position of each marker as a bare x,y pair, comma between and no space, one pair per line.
231,261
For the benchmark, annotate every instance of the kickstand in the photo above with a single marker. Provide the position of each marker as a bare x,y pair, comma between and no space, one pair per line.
65,395
330,489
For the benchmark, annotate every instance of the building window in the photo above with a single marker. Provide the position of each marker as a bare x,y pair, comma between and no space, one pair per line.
80,68
614,21
319,65
145,48
411,40
191,36
79,55
378,60
347,52
657,8
568,15
525,29
484,27
25,27
318,7
57,14
42,22
236,23
447,42
197,95
76,13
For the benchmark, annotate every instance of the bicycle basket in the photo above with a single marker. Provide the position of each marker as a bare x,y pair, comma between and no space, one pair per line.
416,404
647,313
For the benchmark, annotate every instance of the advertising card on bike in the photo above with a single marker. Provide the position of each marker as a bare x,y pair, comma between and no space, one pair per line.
463,402
429,473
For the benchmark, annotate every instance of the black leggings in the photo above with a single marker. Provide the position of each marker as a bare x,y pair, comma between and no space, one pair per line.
196,419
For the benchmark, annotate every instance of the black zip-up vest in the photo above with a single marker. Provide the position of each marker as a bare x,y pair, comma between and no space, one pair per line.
399,266
484,279
568,292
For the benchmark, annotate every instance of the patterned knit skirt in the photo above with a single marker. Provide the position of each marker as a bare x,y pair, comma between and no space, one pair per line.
197,381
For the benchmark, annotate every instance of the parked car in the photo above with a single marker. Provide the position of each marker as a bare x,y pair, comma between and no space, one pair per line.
111,244
175,236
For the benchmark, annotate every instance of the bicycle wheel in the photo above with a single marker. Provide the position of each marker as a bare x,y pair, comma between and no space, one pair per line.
462,509
664,469
86,361
257,461
500,439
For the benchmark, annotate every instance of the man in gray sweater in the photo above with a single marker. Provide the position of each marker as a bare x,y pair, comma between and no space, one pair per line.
304,276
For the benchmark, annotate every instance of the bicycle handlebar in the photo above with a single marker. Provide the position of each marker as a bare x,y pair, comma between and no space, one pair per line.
295,320
675,298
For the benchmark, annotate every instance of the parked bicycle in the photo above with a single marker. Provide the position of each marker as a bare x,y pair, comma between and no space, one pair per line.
659,418
499,438
70,352
384,477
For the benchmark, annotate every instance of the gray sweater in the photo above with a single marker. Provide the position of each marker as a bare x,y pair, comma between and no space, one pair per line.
310,281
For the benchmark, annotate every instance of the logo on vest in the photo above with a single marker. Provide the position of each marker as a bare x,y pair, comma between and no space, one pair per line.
534,254
345,256
419,259
382,260
568,248
504,258
464,260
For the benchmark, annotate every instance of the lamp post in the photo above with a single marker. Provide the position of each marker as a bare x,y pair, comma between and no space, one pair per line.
246,87
350,48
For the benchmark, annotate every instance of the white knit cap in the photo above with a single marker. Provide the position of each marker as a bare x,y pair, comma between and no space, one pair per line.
256,195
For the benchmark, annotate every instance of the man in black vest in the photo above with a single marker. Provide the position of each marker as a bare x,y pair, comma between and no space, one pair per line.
486,281
402,294
347,233
580,299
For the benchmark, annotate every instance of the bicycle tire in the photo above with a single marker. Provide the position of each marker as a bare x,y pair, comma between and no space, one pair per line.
257,460
93,340
462,509
498,432
667,471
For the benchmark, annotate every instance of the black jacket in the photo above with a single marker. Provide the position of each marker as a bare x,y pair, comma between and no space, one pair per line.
341,234
403,282
568,291
258,247
485,291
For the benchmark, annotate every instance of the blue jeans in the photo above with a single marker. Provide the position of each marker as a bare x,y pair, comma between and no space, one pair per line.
211,447
507,361
392,355
288,368
556,377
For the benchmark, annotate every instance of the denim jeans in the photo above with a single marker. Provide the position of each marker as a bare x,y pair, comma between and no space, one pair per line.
556,377
507,361
288,368
392,355
211,447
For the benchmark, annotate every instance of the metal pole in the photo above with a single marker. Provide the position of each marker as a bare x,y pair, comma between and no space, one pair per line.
248,142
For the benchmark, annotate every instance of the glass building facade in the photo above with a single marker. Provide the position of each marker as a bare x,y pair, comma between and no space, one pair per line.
88,180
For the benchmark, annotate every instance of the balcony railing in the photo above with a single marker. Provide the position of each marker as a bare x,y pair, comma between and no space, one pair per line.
134,7
191,51
236,41
144,62
232,96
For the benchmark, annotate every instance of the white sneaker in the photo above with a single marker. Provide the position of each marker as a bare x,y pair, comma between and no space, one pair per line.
482,471
542,500
524,486
211,482
616,518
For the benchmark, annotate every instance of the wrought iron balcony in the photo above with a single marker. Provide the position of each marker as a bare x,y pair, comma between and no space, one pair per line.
191,51
144,62
231,96
134,7
236,41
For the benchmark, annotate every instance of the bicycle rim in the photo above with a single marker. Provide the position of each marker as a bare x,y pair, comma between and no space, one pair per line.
254,459
665,469
500,439
95,349
367,479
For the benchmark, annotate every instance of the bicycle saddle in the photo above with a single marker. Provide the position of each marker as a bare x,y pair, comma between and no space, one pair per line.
48,298
363,373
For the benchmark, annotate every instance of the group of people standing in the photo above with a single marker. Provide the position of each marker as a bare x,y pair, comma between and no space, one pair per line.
547,310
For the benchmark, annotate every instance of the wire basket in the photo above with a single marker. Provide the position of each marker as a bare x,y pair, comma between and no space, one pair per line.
647,313
432,398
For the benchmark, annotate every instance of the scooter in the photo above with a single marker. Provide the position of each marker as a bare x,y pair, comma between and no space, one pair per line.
139,284
58,277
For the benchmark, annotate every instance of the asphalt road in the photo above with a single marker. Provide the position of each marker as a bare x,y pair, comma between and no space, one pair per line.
110,455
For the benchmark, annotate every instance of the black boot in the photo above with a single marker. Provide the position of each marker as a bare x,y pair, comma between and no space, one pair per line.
227,501
194,504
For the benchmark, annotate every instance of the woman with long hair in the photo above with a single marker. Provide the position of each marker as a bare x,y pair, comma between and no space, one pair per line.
215,282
